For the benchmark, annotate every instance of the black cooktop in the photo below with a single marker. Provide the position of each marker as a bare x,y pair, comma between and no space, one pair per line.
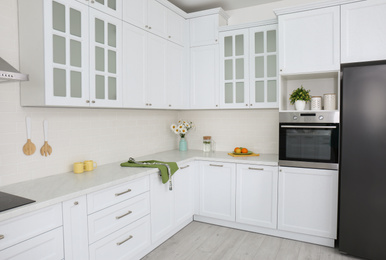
9,201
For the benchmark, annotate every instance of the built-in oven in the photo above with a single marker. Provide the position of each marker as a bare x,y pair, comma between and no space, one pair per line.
308,139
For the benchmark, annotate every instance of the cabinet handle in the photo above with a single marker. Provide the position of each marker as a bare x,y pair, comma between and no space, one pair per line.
256,169
127,239
93,101
1,237
149,104
121,193
124,215
216,105
216,40
184,167
170,105
251,104
170,36
246,105
76,203
87,101
146,26
92,1
216,165
149,27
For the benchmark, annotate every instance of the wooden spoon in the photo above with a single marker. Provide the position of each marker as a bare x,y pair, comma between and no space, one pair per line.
29,148
46,148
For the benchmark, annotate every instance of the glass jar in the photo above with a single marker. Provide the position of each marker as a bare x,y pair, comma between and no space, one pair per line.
207,143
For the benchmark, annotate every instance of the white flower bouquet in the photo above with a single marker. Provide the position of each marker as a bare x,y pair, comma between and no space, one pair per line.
181,128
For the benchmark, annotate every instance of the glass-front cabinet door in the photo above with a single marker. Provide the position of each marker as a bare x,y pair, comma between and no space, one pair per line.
66,59
105,60
264,67
234,88
111,7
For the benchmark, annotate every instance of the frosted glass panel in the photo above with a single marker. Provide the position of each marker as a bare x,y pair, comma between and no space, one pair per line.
228,69
76,84
259,67
59,49
102,2
99,59
99,87
228,46
240,92
75,23
58,17
239,44
271,91
59,83
259,91
239,68
271,66
112,33
271,41
112,4
259,42
112,91
75,53
112,61
99,31
228,93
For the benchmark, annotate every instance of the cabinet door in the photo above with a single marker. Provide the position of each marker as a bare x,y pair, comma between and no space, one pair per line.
256,195
204,30
175,76
363,31
264,69
309,41
66,48
156,72
111,7
162,208
105,60
175,28
234,90
75,228
156,18
308,201
135,12
204,65
217,190
134,67
183,188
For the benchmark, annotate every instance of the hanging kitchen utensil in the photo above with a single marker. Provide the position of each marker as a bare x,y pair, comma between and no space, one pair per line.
29,148
46,148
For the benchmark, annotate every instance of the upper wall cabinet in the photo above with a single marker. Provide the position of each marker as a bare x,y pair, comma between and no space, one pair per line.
204,29
363,31
309,41
57,56
111,7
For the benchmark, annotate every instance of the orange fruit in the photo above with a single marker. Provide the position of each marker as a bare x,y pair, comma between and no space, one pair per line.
244,150
237,150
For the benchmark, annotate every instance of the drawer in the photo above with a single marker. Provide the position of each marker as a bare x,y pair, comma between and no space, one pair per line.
110,196
48,246
126,243
111,219
23,227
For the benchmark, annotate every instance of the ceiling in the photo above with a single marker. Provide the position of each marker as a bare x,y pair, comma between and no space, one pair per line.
199,5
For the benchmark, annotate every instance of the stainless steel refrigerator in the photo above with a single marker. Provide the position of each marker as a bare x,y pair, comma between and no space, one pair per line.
362,198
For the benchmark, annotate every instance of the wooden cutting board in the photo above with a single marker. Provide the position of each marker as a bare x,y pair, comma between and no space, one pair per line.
244,155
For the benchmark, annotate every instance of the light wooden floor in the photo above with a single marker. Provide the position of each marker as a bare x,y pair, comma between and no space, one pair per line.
200,241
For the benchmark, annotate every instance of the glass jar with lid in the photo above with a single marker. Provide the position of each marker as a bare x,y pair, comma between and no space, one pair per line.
207,143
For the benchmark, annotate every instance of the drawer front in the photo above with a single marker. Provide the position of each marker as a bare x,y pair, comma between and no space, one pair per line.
125,243
23,227
48,246
108,197
109,220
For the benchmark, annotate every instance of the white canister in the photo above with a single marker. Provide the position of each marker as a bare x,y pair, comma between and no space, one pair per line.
316,103
329,101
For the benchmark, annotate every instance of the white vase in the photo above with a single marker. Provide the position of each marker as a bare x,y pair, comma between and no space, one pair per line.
300,104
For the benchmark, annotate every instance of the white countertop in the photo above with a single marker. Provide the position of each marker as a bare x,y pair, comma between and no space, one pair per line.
54,189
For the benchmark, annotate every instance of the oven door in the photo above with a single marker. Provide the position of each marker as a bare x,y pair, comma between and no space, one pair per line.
310,145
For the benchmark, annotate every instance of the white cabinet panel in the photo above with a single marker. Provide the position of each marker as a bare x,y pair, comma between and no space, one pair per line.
175,28
256,195
183,188
135,12
310,41
308,201
157,18
218,190
204,30
363,31
176,76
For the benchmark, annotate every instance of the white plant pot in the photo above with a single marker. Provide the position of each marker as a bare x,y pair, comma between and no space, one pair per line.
300,104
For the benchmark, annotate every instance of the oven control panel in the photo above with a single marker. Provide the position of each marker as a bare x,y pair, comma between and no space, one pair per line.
309,117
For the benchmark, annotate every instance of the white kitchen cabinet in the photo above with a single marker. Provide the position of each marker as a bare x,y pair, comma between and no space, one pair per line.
363,31
75,228
204,29
183,188
310,41
256,195
308,201
217,190
156,18
111,7
204,77
176,25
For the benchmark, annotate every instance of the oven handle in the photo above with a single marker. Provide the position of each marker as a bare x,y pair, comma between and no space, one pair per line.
307,126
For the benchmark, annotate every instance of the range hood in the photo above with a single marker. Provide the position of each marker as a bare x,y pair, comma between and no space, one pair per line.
9,73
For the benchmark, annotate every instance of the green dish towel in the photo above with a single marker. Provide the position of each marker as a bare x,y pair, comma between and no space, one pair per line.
163,169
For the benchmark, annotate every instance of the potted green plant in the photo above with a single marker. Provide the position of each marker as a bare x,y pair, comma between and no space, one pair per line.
300,97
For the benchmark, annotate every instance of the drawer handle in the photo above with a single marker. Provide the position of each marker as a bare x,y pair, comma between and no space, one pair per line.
216,165
127,239
1,237
76,203
124,215
184,167
121,193
256,169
